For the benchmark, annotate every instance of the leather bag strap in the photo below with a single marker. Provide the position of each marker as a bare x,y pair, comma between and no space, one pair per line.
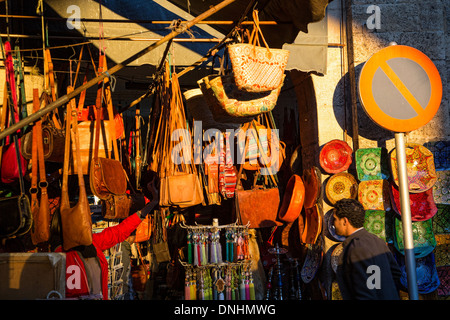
71,134
110,109
34,157
3,115
98,112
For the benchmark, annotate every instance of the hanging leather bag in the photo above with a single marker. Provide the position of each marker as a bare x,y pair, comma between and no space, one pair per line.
258,206
40,231
76,221
11,170
106,176
179,183
52,138
15,212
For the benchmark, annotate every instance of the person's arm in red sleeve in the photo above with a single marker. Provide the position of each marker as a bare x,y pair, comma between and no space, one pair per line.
111,236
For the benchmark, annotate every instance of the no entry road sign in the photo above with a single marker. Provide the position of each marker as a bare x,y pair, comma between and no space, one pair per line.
400,88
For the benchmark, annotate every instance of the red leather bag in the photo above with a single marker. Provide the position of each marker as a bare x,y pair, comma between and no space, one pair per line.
10,166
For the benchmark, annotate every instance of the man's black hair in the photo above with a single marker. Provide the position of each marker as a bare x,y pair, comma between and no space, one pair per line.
352,210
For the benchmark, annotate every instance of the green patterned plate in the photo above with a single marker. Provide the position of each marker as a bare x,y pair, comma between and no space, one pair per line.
379,223
423,237
372,164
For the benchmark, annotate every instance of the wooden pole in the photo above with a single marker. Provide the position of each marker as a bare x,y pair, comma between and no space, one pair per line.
66,98
351,74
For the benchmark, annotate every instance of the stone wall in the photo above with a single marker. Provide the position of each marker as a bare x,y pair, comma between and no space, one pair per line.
424,25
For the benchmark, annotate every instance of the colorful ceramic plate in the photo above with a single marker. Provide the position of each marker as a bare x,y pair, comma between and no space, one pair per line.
341,186
335,156
426,274
420,167
441,190
313,186
374,195
372,164
441,153
375,223
422,204
329,223
294,196
442,250
312,225
444,277
441,221
312,262
423,237
335,255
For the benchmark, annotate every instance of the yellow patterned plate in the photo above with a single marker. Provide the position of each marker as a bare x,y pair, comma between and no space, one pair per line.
341,186
420,167
374,195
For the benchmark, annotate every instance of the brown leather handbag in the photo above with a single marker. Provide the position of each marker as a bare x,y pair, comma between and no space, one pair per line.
258,206
52,138
106,176
40,231
76,221
179,183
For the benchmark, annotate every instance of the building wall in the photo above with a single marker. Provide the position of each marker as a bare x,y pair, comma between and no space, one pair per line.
423,25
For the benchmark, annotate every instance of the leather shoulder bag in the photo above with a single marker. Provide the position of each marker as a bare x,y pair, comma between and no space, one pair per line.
76,221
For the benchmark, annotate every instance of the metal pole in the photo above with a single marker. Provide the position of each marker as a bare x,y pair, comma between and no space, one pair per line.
66,98
410,260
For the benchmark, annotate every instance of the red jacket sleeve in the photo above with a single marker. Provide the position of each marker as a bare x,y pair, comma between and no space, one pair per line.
111,236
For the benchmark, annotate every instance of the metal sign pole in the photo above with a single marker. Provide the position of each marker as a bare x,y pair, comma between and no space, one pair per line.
410,260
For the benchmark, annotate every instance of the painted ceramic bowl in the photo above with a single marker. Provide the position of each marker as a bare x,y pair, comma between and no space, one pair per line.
441,221
444,277
313,186
329,223
422,204
312,225
375,223
335,255
423,237
293,198
420,167
426,274
374,195
442,250
372,164
341,186
312,262
335,156
441,190
441,153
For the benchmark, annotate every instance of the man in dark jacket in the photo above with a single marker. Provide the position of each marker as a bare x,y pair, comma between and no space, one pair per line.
367,269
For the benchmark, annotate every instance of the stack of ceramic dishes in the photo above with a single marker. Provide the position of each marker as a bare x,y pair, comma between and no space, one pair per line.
335,158
421,178
373,190
441,220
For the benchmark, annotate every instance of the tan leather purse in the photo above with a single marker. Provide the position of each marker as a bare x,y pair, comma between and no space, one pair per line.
179,183
40,230
52,138
258,206
76,221
106,176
